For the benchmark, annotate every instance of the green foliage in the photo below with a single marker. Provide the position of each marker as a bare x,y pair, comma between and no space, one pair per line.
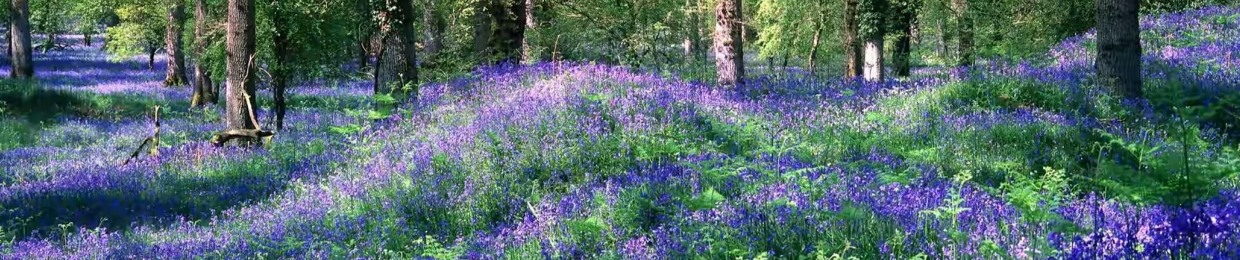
872,18
141,31
1196,102
784,28
432,248
1228,166
1162,6
625,32
1038,196
318,34
1149,172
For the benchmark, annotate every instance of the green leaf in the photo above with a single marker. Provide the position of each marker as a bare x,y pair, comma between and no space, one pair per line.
707,200
385,99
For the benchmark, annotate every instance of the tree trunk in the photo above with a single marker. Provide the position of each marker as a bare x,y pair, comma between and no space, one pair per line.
813,49
964,32
906,13
22,59
902,53
281,69
396,73
8,35
873,26
693,32
527,51
728,44
150,57
942,44
1119,46
874,59
482,29
239,87
852,47
172,44
86,39
698,30
433,29
364,34
363,52
510,29
204,89
784,65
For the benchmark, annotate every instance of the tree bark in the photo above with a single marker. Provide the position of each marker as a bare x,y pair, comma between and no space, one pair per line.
281,71
874,59
699,46
150,57
8,34
852,47
364,34
204,89
396,73
906,15
687,45
433,29
22,59
1119,46
813,49
482,29
729,44
239,87
527,50
873,23
693,32
363,52
175,75
964,32
902,55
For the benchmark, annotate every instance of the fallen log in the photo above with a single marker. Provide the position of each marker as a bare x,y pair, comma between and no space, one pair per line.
223,137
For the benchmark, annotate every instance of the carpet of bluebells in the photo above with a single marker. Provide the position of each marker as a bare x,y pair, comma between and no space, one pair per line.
1009,159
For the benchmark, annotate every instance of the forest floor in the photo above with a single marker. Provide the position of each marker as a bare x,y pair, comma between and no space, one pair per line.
1024,159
